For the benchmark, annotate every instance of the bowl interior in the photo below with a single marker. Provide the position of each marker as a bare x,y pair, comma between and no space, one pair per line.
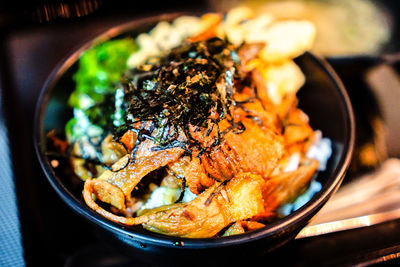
323,98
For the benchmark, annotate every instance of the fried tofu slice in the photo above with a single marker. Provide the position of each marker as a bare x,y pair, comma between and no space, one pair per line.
209,213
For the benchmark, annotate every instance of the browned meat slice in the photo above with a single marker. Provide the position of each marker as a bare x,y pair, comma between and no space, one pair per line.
298,133
196,177
263,115
254,151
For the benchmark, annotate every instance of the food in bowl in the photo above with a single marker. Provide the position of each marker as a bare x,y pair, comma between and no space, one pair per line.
193,129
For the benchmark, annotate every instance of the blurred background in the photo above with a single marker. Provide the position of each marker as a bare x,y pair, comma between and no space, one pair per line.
359,38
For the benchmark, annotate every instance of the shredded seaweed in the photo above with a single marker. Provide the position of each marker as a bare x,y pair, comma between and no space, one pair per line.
190,87
182,194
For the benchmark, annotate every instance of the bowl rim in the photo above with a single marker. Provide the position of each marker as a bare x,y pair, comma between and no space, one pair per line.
331,185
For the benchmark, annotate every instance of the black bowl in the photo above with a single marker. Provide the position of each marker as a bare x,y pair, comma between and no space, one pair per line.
323,98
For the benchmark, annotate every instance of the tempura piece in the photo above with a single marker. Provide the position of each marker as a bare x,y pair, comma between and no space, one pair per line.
284,39
281,79
202,217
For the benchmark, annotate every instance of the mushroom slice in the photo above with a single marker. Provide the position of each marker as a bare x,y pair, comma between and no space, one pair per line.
126,178
108,193
284,187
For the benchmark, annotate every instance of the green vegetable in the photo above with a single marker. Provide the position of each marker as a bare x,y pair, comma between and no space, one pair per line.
99,69
96,100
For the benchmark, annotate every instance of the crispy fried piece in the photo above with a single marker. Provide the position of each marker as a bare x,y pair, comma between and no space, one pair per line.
285,187
283,78
275,81
236,15
196,219
233,25
254,151
243,192
127,178
192,220
284,39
